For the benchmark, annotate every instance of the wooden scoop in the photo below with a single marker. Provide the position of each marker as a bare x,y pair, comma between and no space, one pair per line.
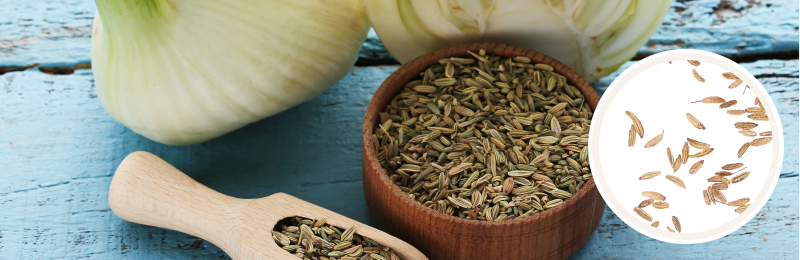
147,190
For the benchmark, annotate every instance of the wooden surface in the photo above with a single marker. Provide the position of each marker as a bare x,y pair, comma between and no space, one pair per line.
553,234
59,149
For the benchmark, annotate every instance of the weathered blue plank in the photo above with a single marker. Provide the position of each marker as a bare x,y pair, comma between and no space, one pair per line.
58,151
57,32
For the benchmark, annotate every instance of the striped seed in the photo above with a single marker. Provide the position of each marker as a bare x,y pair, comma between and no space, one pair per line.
758,117
669,156
696,167
636,123
767,133
717,178
696,123
694,62
697,76
653,142
719,196
761,141
748,133
685,152
677,223
729,75
655,224
632,136
735,84
698,144
727,104
670,229
643,214
758,102
739,202
677,164
741,208
742,150
735,112
755,110
745,125
711,195
424,88
723,173
706,198
711,100
654,195
702,153
740,177
649,175
732,166
660,205
645,203
719,186
676,180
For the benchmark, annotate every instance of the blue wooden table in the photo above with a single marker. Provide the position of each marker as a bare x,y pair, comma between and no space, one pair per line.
59,148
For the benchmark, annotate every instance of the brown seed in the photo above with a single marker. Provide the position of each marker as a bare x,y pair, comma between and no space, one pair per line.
711,100
654,195
732,166
729,75
711,195
636,123
660,205
649,175
697,76
706,198
702,153
655,140
761,141
670,62
740,177
767,133
745,125
735,112
742,150
676,180
719,186
654,224
643,214
669,156
748,133
717,178
723,173
694,62
685,152
696,123
735,84
645,203
670,229
742,208
728,104
719,196
677,223
677,164
696,167
755,110
632,136
759,117
739,202
698,144
758,102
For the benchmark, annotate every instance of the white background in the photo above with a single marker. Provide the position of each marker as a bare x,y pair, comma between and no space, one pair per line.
660,97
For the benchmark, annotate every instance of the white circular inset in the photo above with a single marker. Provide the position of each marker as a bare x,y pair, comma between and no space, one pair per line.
660,94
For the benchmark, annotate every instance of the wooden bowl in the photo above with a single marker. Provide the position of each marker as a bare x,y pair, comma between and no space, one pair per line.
553,234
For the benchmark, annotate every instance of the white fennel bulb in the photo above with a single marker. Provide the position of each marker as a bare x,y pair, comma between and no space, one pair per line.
593,37
186,71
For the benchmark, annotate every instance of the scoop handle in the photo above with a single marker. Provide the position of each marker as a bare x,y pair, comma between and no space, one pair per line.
149,191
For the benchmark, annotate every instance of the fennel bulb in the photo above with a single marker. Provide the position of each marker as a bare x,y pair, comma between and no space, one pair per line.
593,37
186,71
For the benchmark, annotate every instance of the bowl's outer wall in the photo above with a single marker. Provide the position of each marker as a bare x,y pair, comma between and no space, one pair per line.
553,234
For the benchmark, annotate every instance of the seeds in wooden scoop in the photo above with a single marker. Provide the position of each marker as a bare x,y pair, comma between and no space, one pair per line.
755,110
685,152
736,112
636,123
727,104
758,117
676,180
669,156
660,205
729,75
702,153
735,84
499,128
706,198
711,100
748,133
697,76
694,62
645,203
698,144
653,142
654,195
742,150
643,214
670,229
696,123
632,136
677,223
676,164
310,239
649,175
655,224
767,133
745,125
740,177
732,166
696,167
739,202
742,208
761,141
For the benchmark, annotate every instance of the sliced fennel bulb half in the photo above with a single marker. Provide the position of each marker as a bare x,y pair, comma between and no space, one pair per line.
593,37
185,71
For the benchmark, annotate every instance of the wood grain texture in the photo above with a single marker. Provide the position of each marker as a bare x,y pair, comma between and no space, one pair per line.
57,32
59,149
552,234
148,190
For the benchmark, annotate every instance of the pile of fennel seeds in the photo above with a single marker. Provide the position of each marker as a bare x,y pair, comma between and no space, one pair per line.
486,138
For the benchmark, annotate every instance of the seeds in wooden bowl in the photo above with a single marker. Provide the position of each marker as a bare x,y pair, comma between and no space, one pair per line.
315,239
497,139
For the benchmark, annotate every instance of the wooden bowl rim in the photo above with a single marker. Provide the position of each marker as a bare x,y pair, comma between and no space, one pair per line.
430,59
